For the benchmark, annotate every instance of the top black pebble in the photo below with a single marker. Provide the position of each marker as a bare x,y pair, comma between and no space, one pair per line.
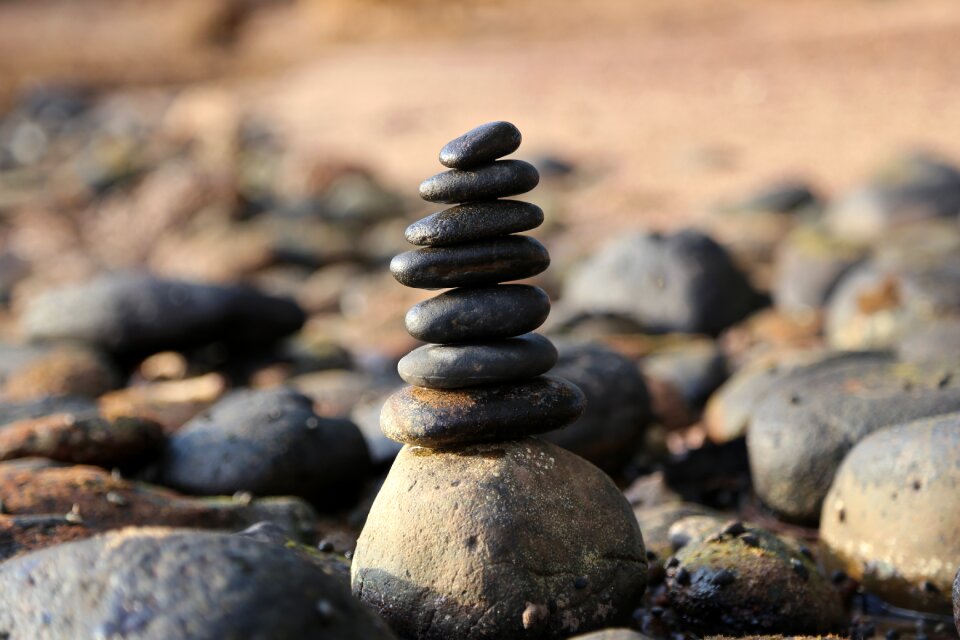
481,145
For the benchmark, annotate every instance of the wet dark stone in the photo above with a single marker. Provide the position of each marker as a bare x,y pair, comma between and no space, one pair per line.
132,583
684,282
434,418
812,417
474,221
268,442
472,264
453,366
618,404
496,180
138,313
481,145
478,313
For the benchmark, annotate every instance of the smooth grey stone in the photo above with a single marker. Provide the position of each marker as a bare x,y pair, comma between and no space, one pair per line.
496,180
435,418
474,221
479,313
473,264
454,366
481,145
155,584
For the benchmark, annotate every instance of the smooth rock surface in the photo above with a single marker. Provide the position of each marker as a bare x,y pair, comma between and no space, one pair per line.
471,264
938,340
432,418
495,180
129,312
515,539
684,282
480,145
267,442
813,416
454,366
891,519
132,583
474,221
475,313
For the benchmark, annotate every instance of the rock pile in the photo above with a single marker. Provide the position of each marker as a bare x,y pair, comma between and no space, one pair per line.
480,530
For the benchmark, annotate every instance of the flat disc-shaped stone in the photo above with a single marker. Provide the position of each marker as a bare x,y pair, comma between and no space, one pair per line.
481,145
474,221
489,182
475,263
479,313
433,418
454,366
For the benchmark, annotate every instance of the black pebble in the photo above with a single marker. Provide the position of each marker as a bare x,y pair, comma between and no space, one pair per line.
478,313
492,181
481,145
723,577
474,221
476,263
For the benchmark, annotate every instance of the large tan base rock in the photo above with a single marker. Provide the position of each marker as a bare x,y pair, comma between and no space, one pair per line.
517,539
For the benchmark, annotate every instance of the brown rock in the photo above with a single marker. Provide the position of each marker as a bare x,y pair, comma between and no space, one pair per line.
59,372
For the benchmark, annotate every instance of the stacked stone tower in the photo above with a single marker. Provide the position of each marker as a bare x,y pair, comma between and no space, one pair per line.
479,530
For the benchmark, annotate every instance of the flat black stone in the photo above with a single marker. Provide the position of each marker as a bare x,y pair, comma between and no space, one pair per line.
489,182
455,366
471,264
433,418
479,313
481,145
474,221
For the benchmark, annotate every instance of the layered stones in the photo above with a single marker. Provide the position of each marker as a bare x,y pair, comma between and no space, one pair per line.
489,182
474,221
476,263
481,145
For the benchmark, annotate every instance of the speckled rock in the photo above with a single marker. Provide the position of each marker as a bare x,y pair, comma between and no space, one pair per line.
267,442
890,519
489,182
476,313
655,522
433,418
474,221
751,581
938,340
471,264
693,528
61,371
812,417
480,145
124,313
683,282
617,404
132,583
514,539
454,366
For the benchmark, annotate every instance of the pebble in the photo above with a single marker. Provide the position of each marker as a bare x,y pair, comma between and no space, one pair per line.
268,442
481,145
496,180
474,221
656,522
472,513
813,416
476,263
76,405
476,313
694,367
454,366
890,519
956,600
61,371
433,418
132,583
938,340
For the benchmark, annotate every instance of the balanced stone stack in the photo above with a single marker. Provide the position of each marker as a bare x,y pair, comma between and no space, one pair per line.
481,530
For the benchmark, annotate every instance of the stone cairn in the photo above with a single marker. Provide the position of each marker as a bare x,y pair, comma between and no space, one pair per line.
479,530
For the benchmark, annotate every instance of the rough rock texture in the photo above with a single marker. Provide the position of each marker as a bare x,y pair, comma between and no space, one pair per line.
655,522
480,145
891,519
683,282
140,313
618,404
474,221
267,442
751,581
495,180
812,417
132,584
548,542
61,371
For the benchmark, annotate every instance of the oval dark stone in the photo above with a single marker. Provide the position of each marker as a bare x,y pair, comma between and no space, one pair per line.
432,418
492,181
479,313
454,366
481,145
474,221
466,265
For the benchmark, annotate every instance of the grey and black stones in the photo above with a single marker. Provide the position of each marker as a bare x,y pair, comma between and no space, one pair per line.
478,394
